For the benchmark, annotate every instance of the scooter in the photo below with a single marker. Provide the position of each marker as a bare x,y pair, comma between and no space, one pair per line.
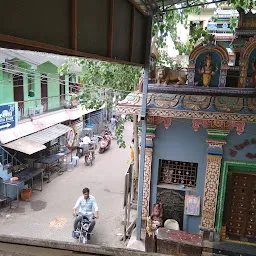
81,233
105,143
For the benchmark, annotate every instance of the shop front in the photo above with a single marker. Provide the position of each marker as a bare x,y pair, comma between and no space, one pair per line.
43,150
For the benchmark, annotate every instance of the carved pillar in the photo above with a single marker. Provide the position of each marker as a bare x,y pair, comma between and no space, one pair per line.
216,140
147,170
217,132
152,122
147,182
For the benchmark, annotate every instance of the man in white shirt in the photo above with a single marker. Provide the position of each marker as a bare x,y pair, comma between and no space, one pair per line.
86,139
85,206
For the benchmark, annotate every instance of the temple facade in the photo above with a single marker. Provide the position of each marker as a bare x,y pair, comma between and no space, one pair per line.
200,156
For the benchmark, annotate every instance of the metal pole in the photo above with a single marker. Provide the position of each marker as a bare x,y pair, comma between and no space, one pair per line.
144,128
136,157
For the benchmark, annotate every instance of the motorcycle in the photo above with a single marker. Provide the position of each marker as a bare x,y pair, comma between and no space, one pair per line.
89,155
105,143
81,233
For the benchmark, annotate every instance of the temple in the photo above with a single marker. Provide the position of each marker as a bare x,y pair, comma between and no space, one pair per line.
201,139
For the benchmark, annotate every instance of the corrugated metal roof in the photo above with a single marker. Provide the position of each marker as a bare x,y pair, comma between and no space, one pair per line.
25,146
37,58
49,134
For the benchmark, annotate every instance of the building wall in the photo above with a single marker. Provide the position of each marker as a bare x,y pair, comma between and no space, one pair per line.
242,153
6,87
180,142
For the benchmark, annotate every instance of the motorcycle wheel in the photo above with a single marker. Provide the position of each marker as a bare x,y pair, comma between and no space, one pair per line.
101,150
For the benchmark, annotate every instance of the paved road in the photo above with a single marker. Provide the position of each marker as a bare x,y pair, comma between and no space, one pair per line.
49,213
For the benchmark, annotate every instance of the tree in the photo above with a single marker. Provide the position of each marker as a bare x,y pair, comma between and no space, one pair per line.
101,82
167,24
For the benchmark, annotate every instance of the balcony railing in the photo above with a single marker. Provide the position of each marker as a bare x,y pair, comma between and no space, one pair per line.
40,106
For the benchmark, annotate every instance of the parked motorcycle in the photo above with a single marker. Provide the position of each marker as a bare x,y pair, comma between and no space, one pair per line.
105,143
81,233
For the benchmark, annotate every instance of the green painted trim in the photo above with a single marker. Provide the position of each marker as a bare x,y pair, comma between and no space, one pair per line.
235,165
217,134
150,129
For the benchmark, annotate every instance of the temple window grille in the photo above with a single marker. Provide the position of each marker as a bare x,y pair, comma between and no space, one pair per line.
178,173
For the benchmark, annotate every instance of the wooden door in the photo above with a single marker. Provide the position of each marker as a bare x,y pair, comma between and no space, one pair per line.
62,89
241,207
44,92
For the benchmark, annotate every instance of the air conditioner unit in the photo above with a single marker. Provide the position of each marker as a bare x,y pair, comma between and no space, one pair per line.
31,111
41,109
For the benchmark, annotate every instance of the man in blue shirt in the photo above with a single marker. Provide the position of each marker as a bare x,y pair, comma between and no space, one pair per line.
85,206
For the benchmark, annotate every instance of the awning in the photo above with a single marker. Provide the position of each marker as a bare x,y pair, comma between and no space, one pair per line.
35,142
49,134
25,146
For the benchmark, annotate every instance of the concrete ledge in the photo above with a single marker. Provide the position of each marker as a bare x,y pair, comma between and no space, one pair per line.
135,244
13,245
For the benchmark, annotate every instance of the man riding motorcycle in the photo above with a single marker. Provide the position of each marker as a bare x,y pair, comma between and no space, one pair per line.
87,144
84,207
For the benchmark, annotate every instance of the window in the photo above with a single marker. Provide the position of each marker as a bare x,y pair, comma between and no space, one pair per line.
177,172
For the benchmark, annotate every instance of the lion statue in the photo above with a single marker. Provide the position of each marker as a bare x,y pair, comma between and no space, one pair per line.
164,76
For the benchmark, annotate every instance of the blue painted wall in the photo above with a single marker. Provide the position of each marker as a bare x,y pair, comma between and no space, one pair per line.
180,142
234,140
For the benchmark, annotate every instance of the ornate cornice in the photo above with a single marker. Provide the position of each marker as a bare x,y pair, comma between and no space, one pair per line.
249,118
156,120
218,124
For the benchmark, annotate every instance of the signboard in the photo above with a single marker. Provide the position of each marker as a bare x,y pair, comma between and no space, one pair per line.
192,205
8,115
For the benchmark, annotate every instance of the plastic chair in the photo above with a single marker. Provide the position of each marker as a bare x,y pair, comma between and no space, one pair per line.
75,161
172,224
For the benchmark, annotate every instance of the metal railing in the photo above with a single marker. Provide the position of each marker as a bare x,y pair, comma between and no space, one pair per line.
8,159
39,106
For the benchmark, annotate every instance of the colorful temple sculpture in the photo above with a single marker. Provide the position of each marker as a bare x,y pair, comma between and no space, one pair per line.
200,156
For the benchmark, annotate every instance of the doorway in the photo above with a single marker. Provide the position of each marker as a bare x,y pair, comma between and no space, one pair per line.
18,92
240,206
44,91
62,89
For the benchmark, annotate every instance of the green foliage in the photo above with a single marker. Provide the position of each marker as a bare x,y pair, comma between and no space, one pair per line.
233,24
167,26
101,81
240,3
119,132
165,60
169,23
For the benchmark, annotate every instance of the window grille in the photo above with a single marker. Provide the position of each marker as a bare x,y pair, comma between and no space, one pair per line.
177,172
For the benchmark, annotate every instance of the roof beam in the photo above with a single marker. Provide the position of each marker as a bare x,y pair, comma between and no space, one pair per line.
74,24
16,42
137,6
111,27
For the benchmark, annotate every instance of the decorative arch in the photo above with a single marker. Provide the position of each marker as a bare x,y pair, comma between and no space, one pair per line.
201,49
246,52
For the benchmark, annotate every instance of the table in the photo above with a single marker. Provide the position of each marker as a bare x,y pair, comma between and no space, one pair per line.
50,160
27,174
177,242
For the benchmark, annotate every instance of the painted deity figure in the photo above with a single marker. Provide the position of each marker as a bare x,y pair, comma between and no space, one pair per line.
207,71
254,73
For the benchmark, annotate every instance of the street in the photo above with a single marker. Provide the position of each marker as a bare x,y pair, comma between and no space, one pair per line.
48,215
